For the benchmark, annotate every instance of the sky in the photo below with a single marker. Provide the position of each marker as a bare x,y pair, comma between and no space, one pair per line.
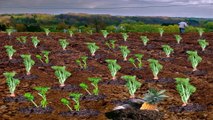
171,8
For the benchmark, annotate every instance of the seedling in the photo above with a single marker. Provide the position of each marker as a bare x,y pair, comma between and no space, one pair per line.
94,83
194,58
111,44
44,54
92,47
167,49
70,32
125,36
132,84
139,60
35,41
28,62
61,74
185,89
9,31
105,33
145,40
66,103
47,31
203,43
30,97
178,38
85,87
76,97
11,82
63,43
10,51
113,67
42,92
125,51
161,31
155,67
200,31
151,98
22,39
82,62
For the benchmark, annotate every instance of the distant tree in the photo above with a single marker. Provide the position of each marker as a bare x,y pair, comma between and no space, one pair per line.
62,26
20,27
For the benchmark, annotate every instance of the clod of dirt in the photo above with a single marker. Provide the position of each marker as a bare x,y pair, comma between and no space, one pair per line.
128,103
66,88
188,108
26,77
196,73
93,97
14,99
161,80
81,113
35,110
167,59
113,82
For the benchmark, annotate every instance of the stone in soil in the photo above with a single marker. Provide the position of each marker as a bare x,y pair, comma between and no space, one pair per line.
93,97
113,82
196,73
35,110
84,113
188,108
14,99
161,80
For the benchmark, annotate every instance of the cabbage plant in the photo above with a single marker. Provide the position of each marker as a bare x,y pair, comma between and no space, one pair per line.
93,48
203,43
47,31
113,67
161,31
155,66
61,73
144,39
28,62
138,59
9,31
10,51
178,38
82,62
76,98
105,33
200,31
110,44
70,32
125,51
125,36
63,43
194,58
167,49
35,41
22,39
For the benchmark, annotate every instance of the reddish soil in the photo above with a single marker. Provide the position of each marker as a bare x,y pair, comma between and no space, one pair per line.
43,75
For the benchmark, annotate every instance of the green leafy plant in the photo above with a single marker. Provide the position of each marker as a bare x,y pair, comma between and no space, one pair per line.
167,49
11,82
132,84
22,39
76,97
28,62
104,33
65,102
35,41
125,36
185,89
155,67
139,60
203,43
200,31
82,62
47,31
42,92
194,58
70,32
9,31
113,67
145,40
10,51
61,74
44,54
110,44
30,97
92,47
85,87
94,82
178,38
125,51
63,43
161,31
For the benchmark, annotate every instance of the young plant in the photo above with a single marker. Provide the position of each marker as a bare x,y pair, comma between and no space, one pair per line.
70,32
42,92
11,82
194,58
61,74
22,39
161,31
151,98
92,47
94,83
113,67
63,43
167,49
9,31
44,54
30,98
76,97
82,62
66,102
28,63
125,51
185,89
132,84
47,31
111,44
155,67
203,43
200,31
85,87
104,33
10,51
145,40
125,36
35,41
139,60
178,38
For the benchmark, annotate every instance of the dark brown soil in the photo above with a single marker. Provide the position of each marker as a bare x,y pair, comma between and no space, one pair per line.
176,66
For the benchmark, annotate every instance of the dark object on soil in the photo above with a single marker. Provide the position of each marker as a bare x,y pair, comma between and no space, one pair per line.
5,61
66,88
93,97
169,59
14,99
196,73
63,52
84,113
128,103
26,77
89,68
35,110
188,108
134,114
161,80
113,82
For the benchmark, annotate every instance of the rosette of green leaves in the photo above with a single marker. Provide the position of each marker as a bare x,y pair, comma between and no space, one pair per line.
178,38
28,62
167,49
194,58
155,66
82,62
161,31
144,39
92,47
76,97
125,36
42,92
47,31
63,43
125,51
113,67
35,41
10,51
104,33
203,43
